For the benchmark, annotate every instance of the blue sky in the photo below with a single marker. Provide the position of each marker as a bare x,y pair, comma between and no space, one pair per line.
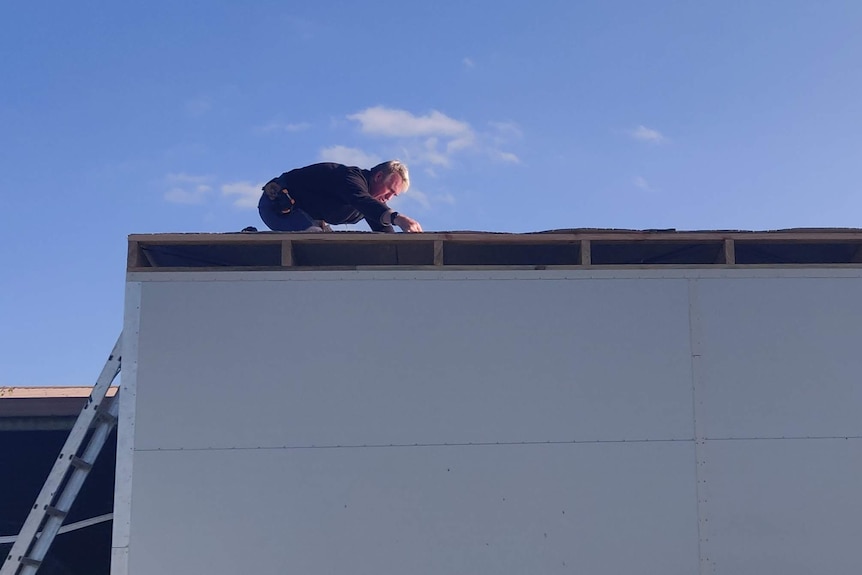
160,116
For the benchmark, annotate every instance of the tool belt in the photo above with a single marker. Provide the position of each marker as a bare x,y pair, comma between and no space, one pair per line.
278,194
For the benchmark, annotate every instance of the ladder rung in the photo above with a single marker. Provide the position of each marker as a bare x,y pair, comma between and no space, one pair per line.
30,562
55,512
81,464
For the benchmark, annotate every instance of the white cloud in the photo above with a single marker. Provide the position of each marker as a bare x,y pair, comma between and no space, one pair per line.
183,178
461,143
446,198
199,106
245,194
506,130
187,189
468,63
187,196
641,183
423,200
299,127
428,142
434,139
349,156
644,134
508,157
402,124
284,127
432,155
412,195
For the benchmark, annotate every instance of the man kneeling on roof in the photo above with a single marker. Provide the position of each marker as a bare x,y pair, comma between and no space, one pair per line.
307,199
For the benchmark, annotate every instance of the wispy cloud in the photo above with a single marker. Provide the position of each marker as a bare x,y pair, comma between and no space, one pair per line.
412,195
301,28
641,183
199,106
506,129
401,123
187,189
501,135
278,126
435,138
468,63
244,194
431,154
349,156
644,134
508,157
424,200
299,127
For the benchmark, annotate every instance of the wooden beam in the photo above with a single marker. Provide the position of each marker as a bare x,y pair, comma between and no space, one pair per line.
729,252
287,254
134,258
438,252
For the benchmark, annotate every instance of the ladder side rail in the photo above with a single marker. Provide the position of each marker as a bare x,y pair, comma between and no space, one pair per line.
71,489
62,464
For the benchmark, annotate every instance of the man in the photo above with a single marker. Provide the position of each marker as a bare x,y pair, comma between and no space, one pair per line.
306,199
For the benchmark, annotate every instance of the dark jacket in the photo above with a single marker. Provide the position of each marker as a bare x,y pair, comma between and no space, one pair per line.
336,194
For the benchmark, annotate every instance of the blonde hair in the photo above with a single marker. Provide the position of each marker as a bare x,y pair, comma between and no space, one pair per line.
393,167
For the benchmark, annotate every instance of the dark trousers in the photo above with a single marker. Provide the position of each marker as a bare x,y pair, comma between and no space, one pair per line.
296,221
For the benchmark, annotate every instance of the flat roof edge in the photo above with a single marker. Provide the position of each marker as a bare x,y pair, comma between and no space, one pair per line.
44,402
486,250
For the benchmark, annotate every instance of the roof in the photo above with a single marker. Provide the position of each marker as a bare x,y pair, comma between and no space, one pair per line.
42,407
576,248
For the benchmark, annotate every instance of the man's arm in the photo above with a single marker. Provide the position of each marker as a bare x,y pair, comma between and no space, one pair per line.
377,214
354,192
406,223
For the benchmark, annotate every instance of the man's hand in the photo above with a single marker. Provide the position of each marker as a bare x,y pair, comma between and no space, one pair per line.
406,223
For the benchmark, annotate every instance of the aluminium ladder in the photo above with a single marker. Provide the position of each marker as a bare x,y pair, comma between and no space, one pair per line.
67,476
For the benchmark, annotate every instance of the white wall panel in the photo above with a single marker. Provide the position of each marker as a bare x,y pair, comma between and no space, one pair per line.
781,357
784,506
515,509
250,364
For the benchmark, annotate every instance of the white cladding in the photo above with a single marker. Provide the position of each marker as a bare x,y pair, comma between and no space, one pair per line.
637,421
